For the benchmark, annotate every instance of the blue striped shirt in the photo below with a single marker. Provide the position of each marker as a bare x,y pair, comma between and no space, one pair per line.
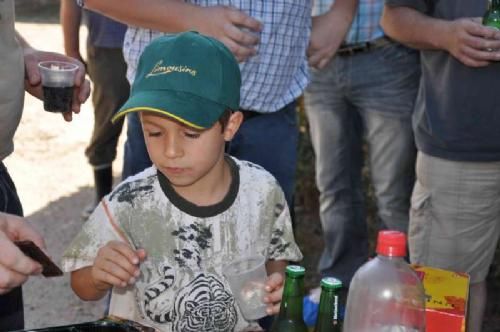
365,25
278,74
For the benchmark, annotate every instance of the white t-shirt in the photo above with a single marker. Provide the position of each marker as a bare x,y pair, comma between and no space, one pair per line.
182,286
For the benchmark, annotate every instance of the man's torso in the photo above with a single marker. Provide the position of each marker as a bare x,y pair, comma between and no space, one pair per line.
103,31
11,79
278,73
365,25
458,107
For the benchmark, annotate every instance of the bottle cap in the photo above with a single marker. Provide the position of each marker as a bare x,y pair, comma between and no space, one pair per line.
391,243
295,270
331,283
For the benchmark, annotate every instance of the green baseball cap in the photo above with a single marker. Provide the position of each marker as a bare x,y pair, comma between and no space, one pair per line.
189,77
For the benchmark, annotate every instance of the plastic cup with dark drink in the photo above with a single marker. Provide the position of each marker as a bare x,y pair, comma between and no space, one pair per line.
58,80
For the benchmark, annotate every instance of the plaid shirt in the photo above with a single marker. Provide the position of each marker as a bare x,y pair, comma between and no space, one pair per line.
278,73
365,25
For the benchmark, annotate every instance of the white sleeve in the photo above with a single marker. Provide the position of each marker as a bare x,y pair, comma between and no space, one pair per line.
282,244
97,231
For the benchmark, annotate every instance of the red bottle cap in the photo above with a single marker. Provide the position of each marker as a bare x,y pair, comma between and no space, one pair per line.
391,243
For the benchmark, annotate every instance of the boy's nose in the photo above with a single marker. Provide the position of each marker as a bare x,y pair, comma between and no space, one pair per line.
173,148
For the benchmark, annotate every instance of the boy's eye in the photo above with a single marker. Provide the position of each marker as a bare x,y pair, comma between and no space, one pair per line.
154,133
192,134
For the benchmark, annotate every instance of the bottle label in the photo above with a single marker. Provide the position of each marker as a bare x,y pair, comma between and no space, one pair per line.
336,310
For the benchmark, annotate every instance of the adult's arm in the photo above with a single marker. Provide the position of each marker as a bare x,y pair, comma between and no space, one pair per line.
71,16
465,38
15,267
227,24
328,32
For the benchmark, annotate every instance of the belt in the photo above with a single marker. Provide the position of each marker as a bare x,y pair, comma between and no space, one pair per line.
247,115
351,49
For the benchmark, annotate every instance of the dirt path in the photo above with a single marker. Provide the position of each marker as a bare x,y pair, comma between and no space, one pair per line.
54,182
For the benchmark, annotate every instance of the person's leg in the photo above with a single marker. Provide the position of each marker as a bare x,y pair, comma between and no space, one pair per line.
385,86
270,140
477,305
136,157
455,222
11,304
336,138
107,69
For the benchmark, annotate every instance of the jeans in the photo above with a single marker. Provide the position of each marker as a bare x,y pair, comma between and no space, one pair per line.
11,304
369,96
269,140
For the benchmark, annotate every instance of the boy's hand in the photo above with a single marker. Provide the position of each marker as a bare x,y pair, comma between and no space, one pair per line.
274,289
117,265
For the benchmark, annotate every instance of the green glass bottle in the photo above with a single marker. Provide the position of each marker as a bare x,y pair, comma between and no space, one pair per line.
492,16
328,320
290,317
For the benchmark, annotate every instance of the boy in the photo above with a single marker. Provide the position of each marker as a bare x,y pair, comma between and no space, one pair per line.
160,240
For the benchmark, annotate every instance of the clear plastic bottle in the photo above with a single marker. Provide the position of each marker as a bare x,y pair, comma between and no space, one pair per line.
385,294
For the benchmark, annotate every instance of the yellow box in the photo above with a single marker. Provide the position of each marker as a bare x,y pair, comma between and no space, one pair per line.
446,299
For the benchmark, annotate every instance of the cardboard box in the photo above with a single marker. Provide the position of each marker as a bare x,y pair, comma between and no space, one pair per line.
447,294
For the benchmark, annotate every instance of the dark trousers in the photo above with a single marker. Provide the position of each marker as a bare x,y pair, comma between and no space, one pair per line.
107,70
11,304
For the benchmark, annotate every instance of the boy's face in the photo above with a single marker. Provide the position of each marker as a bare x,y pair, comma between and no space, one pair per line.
186,156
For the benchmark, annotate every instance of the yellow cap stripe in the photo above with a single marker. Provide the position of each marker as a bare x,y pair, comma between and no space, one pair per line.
155,110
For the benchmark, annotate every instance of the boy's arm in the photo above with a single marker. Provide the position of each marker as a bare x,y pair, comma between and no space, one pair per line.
328,32
83,285
70,17
276,266
221,22
465,38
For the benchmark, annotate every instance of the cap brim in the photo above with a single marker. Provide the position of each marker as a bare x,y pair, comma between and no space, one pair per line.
191,110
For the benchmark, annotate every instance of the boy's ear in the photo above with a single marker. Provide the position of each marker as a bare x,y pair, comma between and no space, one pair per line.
233,124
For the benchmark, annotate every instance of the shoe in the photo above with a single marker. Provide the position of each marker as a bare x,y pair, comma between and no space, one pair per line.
103,182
